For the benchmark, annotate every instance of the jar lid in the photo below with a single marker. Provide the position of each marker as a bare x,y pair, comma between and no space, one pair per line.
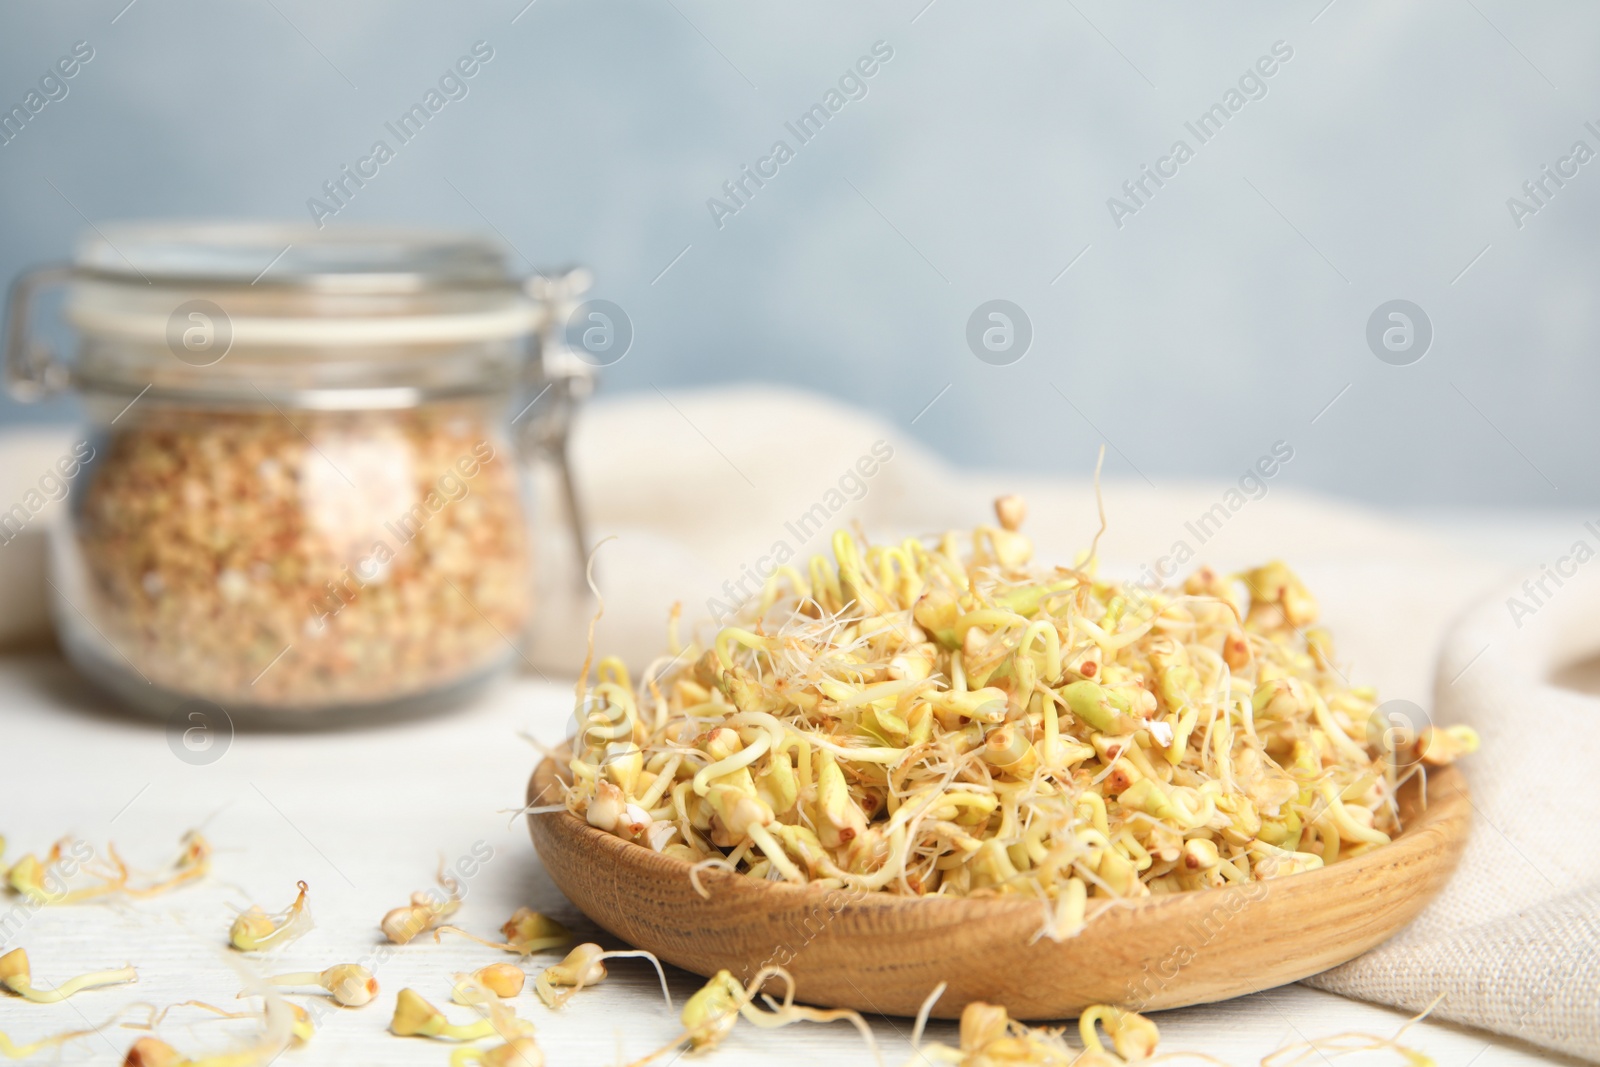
265,285
250,312
290,314
347,259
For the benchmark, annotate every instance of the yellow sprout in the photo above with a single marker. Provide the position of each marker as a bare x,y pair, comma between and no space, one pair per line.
193,864
15,976
415,1017
31,877
12,1050
582,968
42,881
488,984
256,931
710,1014
349,985
426,910
1440,747
518,1052
1132,1035
1323,1049
284,1025
301,1028
990,1037
1278,597
526,932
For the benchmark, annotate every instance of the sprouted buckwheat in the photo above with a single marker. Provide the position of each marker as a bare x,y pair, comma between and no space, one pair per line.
256,931
929,717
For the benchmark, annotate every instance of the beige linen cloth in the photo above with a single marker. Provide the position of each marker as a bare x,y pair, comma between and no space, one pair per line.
698,487
1514,940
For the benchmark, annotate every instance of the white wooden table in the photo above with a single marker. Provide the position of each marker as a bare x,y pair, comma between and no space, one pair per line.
364,817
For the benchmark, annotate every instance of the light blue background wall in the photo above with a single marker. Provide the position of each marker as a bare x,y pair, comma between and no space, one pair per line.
1223,316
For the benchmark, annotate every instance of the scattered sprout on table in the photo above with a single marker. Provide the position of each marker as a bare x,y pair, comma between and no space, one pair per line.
16,976
350,985
11,1050
283,1025
989,1037
487,985
1132,1035
31,876
301,1028
415,1017
518,1052
1324,1049
193,864
256,931
583,967
526,932
710,1014
426,911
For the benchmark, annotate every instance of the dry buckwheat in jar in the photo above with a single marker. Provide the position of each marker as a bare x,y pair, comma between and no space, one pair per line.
305,501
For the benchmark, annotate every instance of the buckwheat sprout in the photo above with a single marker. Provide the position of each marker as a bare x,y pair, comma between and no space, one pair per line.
256,931
39,880
518,1052
193,864
526,932
989,1036
281,1023
583,967
1352,1042
944,717
711,1013
301,1027
349,985
31,877
426,911
1440,747
582,689
787,1011
717,862
16,976
415,1017
488,985
154,1052
1132,1035
924,1012
12,1050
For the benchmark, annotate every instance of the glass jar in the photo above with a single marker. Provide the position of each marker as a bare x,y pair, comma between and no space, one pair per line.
300,497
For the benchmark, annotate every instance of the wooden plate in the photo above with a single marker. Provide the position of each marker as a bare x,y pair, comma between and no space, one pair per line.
880,953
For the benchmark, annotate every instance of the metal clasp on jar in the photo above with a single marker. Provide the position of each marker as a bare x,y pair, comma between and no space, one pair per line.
561,382
32,370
